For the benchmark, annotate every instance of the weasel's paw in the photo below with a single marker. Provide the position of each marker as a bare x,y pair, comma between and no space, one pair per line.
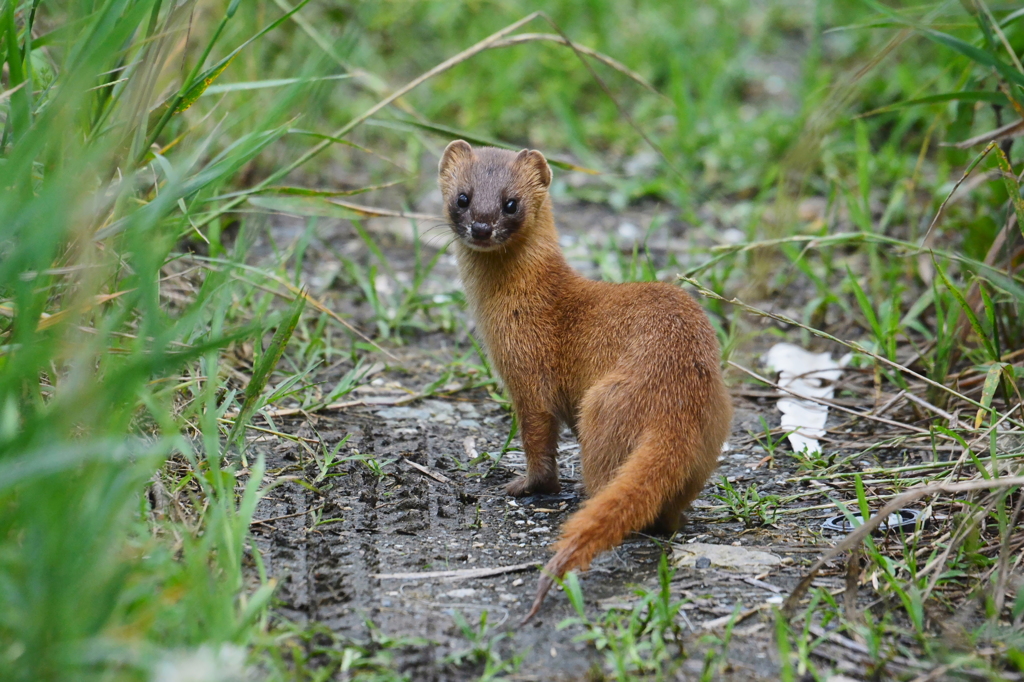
527,486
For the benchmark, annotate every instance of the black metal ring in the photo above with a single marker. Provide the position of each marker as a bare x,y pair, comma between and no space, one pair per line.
905,519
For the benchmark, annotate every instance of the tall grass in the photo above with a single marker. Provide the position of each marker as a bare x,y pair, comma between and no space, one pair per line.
101,176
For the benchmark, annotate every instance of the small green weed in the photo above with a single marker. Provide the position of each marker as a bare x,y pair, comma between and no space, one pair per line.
646,639
748,506
374,464
484,650
329,459
315,653
769,442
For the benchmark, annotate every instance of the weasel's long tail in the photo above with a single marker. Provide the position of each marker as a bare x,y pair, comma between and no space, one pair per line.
634,498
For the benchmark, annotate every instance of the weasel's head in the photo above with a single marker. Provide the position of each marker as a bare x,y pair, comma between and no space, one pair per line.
491,195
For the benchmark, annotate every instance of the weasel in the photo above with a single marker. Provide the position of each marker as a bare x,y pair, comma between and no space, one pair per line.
632,369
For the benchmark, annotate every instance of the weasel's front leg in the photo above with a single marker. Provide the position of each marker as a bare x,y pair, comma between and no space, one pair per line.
539,431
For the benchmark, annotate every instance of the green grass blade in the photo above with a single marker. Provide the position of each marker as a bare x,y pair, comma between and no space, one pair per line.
975,54
866,308
1012,17
265,366
988,391
962,96
991,317
972,52
197,90
221,88
975,323
21,115
1012,187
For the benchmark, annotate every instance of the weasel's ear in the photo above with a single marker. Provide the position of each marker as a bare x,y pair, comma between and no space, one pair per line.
457,149
531,158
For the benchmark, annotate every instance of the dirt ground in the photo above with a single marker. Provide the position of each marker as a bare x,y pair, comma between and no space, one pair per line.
343,547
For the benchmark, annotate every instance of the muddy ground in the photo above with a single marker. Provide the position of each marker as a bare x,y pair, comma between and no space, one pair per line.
343,545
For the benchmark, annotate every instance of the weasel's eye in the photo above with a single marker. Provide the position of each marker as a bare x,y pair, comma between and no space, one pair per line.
462,201
510,207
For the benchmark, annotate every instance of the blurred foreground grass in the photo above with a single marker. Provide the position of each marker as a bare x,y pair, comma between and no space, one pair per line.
138,130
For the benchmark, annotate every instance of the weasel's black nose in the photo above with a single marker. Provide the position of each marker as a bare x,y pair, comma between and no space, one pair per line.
481,231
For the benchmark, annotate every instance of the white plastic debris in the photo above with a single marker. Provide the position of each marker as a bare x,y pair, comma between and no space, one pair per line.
806,374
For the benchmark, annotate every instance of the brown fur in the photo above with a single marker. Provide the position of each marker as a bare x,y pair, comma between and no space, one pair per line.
633,369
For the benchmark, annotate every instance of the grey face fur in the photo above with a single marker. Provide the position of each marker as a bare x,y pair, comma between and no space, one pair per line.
489,193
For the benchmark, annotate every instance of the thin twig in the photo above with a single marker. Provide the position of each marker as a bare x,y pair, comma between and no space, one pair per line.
889,405
932,408
424,470
991,136
603,58
851,645
463,574
287,516
334,407
724,620
374,212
